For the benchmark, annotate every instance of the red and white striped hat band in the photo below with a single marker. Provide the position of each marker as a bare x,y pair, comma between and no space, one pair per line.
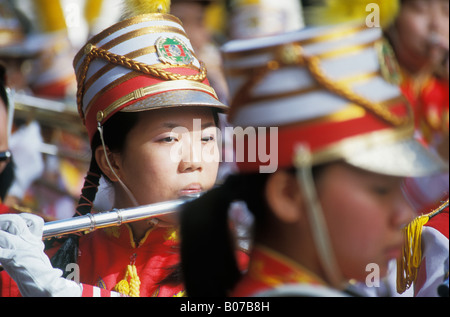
141,63
331,89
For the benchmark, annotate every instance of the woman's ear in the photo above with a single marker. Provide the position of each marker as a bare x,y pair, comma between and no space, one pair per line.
284,197
106,168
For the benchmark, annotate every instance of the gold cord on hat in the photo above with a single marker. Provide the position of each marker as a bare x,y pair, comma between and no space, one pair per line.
292,54
124,187
313,64
303,163
93,52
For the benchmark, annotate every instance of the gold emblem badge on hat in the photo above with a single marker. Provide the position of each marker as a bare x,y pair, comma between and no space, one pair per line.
389,67
173,51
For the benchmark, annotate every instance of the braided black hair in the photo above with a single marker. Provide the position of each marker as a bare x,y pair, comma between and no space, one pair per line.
207,246
208,250
116,129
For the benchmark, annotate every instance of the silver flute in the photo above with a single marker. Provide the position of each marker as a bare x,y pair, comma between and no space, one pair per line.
115,217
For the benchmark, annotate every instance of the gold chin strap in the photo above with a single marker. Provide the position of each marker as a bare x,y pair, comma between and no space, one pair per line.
125,188
316,218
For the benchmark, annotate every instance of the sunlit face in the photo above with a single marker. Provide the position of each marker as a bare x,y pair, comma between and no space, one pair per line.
364,213
3,132
168,155
422,32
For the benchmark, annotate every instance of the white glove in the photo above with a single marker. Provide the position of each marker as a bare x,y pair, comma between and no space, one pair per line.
22,256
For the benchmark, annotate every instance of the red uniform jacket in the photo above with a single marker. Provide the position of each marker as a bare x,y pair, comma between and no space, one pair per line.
105,254
430,102
268,270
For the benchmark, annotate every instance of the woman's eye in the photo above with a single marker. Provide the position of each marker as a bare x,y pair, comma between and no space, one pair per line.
208,138
169,139
381,190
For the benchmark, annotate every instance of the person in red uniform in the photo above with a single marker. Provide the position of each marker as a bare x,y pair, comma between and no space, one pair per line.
420,39
151,116
326,196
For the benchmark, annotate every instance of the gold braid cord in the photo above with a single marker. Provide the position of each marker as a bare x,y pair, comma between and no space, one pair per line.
293,55
93,52
313,64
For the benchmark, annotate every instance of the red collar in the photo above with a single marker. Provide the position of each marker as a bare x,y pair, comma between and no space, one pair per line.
123,236
269,269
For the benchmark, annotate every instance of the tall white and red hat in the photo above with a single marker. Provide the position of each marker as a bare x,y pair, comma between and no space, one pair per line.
330,88
143,62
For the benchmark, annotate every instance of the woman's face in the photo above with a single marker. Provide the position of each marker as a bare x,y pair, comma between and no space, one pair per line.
170,153
365,213
3,132
421,33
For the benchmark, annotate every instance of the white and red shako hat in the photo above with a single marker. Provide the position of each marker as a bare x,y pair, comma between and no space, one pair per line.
140,63
333,89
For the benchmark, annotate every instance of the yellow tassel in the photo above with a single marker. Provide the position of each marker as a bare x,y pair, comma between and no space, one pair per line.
136,7
51,15
122,287
92,10
130,285
339,11
408,264
135,282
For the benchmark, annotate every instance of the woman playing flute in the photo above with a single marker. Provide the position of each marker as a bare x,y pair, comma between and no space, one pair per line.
150,113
